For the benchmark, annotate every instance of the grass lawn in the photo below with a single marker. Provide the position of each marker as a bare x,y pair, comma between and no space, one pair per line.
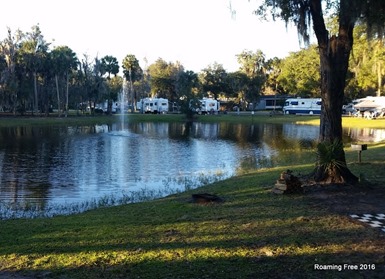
261,117
252,234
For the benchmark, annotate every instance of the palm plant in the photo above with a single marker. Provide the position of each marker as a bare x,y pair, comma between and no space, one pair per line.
328,160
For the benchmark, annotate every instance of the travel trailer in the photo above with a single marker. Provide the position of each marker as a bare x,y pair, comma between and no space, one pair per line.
104,107
369,107
152,105
208,106
302,106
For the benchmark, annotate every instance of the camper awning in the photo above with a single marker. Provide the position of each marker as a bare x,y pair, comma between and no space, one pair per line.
367,104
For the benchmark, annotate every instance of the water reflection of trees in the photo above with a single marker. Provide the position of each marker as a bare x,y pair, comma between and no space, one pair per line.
27,146
365,134
52,151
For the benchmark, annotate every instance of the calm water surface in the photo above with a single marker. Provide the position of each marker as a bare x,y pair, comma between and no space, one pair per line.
59,165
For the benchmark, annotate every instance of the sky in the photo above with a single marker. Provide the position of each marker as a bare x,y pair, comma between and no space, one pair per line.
197,33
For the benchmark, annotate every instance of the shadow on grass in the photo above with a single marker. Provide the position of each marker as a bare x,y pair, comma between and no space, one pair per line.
251,222
340,265
253,234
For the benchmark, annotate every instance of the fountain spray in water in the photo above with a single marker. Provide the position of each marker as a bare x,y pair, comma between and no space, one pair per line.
122,102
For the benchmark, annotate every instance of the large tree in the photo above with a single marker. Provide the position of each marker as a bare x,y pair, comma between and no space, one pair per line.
110,65
132,72
34,50
163,78
299,73
186,87
334,52
9,83
253,64
64,61
214,80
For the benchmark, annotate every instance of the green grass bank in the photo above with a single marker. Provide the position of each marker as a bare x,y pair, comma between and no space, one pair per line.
251,234
248,118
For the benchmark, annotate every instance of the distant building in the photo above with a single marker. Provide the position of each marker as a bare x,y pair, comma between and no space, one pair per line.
269,102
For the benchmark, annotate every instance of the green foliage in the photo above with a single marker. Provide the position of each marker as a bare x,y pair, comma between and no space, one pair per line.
238,84
272,84
367,64
329,154
131,68
252,64
185,84
214,80
64,59
110,65
366,76
63,62
299,73
28,67
164,79
114,87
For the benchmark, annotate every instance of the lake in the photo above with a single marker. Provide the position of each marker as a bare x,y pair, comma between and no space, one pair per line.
64,169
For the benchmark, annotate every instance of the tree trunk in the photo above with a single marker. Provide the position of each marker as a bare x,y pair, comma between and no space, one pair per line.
57,94
334,61
35,109
109,106
67,85
379,78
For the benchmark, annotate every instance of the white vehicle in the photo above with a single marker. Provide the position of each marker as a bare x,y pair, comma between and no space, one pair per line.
349,109
104,107
370,107
302,106
208,106
152,105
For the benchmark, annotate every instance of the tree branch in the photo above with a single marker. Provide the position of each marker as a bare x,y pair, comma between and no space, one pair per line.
319,26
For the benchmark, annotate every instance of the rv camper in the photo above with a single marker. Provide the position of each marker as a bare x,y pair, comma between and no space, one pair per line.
153,105
208,106
302,106
103,107
369,107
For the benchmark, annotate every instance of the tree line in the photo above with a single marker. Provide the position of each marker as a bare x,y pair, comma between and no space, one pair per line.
35,78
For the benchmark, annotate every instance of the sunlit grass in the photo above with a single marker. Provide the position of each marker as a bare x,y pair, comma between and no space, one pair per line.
350,122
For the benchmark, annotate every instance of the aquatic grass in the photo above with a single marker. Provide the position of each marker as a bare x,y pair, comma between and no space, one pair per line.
30,211
182,183
178,184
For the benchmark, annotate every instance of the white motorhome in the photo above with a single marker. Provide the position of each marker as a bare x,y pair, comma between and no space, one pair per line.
208,106
152,105
302,106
